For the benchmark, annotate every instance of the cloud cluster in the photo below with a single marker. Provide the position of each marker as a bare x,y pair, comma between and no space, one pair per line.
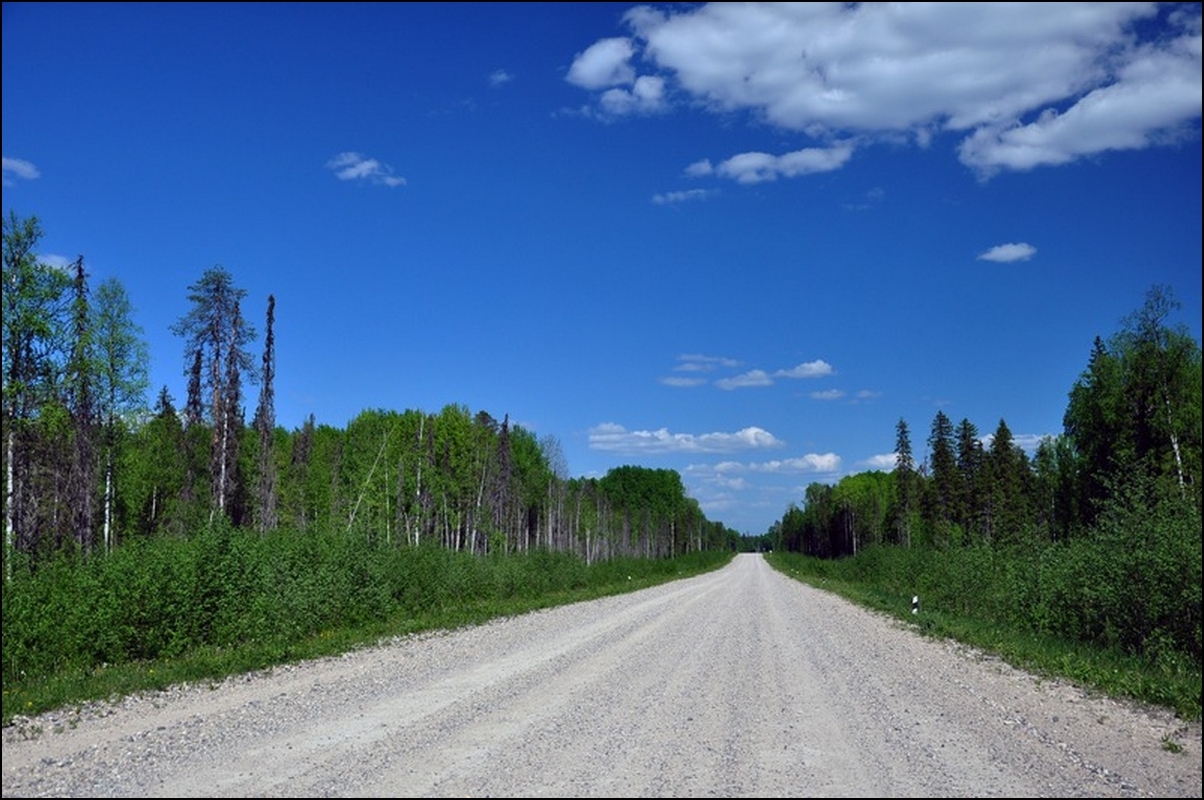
614,438
1023,84
759,377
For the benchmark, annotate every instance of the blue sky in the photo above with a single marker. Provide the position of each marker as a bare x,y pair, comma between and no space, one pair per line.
737,241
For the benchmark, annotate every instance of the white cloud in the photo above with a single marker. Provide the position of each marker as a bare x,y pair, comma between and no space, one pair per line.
1013,251
811,369
646,96
811,462
694,362
673,380
673,198
352,166
499,77
603,64
1028,442
755,377
760,167
1023,84
61,263
829,394
18,168
759,377
883,463
614,438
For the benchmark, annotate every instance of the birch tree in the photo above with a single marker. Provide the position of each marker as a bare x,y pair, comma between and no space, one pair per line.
34,301
121,382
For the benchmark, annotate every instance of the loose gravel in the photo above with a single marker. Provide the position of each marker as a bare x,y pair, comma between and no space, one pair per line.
737,683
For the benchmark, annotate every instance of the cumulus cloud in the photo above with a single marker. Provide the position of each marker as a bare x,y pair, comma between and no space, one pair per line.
828,394
754,377
1013,251
759,377
1022,85
18,168
603,64
811,369
811,462
500,77
646,96
352,166
761,167
696,364
883,463
613,438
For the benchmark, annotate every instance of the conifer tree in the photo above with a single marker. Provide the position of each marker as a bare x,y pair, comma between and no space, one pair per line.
265,426
215,345
905,481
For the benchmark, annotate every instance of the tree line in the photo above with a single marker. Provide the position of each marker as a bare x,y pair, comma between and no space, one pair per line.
1131,431
87,465
1095,539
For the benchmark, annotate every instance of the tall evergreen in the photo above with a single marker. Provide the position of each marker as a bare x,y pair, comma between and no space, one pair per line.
215,342
1010,485
265,426
968,509
905,481
941,495
80,398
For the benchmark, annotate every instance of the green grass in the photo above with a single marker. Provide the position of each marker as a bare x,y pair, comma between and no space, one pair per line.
1167,681
504,586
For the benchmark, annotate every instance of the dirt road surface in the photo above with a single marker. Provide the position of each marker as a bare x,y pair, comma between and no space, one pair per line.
738,683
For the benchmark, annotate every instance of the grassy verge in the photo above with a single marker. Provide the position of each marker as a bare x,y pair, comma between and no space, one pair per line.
529,585
1172,683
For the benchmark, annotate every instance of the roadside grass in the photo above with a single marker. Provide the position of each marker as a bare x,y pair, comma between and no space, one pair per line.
1168,681
507,586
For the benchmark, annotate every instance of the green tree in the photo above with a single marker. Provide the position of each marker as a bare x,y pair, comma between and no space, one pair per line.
1163,391
151,498
1055,494
1009,480
265,427
863,502
906,482
79,388
969,506
121,382
216,340
35,302
1136,410
941,494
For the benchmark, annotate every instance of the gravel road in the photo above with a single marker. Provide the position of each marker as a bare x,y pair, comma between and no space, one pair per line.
736,683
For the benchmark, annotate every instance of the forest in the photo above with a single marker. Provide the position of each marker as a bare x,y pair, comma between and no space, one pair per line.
1096,538
88,466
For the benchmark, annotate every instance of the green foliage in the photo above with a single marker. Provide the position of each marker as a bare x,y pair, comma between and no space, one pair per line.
86,623
1120,610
